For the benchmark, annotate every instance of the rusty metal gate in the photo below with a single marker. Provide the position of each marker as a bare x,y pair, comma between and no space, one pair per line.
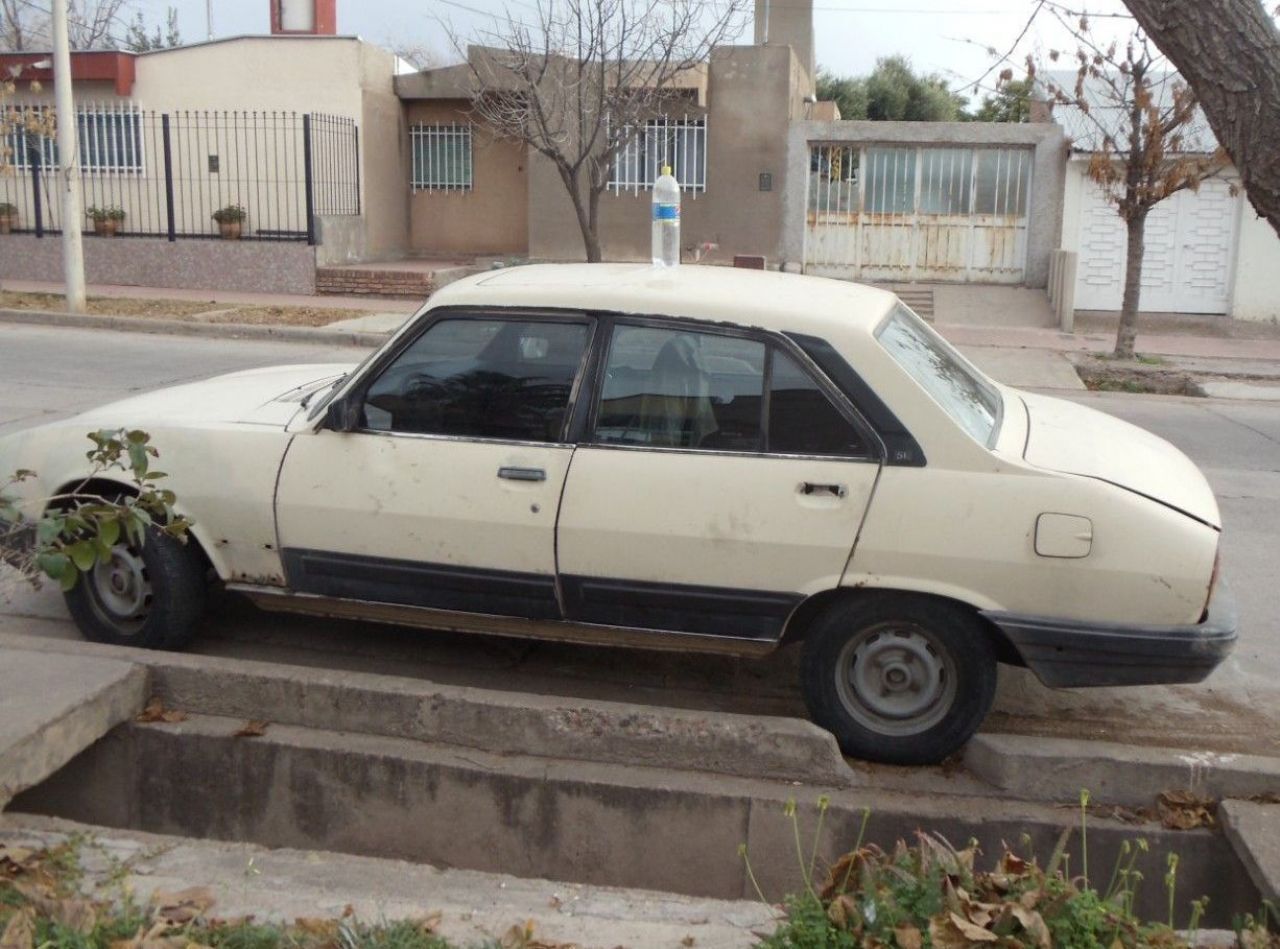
905,213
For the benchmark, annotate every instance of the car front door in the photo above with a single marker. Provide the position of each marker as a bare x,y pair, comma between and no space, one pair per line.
445,495
720,481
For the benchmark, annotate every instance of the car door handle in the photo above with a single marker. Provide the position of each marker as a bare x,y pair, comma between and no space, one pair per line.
810,488
523,474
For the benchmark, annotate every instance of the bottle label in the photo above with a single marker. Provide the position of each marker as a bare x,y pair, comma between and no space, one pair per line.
666,212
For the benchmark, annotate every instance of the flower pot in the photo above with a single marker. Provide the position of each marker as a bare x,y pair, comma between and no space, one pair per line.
7,223
106,227
230,230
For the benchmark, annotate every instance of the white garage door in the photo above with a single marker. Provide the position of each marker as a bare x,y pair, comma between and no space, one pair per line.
1190,248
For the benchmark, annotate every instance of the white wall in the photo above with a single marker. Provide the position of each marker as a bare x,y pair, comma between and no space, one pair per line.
1256,295
1255,292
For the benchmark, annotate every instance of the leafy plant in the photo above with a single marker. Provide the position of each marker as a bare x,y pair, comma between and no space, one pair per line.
230,214
109,213
8,209
67,534
931,894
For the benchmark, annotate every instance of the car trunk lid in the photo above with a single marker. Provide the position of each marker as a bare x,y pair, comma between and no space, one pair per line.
1075,439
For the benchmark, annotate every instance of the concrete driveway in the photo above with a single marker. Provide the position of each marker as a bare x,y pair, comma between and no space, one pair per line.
46,372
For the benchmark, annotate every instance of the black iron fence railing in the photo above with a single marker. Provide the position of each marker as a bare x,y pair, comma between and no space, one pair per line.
185,174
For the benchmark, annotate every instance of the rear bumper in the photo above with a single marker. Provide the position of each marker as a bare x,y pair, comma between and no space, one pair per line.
1072,654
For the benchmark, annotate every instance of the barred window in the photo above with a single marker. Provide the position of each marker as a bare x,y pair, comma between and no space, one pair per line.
109,141
441,157
680,143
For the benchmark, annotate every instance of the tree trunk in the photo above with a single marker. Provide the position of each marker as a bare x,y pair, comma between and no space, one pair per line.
1229,53
1127,331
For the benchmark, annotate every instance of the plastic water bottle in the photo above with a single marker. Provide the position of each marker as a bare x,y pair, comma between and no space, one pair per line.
666,220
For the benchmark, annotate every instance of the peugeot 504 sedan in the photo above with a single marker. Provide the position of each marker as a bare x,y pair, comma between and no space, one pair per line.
699,459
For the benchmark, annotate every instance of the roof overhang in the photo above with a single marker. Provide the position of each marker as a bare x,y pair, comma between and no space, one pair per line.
86,66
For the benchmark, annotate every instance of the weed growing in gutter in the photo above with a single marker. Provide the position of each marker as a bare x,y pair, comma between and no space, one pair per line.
931,895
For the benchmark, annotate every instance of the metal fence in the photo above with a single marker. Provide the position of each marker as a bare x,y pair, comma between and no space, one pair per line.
680,143
169,173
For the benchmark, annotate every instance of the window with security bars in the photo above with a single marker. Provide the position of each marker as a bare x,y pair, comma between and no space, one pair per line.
110,141
441,157
680,143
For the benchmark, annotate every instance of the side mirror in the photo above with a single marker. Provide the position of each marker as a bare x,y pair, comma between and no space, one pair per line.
342,415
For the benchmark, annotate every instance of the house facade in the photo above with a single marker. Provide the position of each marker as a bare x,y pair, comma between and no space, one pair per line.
1206,250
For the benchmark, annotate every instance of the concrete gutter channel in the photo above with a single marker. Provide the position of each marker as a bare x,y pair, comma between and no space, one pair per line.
591,792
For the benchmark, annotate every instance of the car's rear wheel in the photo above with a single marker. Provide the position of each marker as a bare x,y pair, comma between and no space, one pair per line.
899,679
150,596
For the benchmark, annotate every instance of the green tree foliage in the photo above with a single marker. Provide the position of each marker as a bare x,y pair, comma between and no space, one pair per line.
893,91
138,40
1011,103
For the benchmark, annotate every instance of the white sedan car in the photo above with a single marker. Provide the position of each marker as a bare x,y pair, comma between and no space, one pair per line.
700,459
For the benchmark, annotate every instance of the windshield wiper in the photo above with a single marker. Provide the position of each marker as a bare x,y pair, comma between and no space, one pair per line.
306,399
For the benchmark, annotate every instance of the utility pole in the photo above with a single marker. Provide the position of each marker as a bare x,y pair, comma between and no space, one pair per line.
68,162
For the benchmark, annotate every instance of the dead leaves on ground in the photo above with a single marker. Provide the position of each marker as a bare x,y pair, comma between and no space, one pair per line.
251,729
522,937
156,712
1185,810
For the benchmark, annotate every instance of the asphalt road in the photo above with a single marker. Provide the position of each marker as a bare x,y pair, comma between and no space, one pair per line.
48,372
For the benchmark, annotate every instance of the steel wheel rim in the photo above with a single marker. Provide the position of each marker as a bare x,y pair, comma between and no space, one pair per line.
120,589
896,678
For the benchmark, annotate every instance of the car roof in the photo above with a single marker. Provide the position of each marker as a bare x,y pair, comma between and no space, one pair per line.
765,299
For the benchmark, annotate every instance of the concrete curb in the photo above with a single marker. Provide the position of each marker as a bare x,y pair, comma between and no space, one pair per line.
497,722
1057,769
136,324
48,715
1254,831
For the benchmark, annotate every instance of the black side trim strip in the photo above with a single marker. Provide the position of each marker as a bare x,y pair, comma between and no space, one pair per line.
713,611
903,450
437,586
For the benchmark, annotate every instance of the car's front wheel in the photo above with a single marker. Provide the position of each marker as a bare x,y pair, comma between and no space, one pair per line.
150,596
899,679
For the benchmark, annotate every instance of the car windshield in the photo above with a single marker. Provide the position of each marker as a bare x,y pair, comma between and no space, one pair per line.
969,399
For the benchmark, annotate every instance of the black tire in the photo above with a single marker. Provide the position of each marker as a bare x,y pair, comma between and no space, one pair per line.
162,613
899,679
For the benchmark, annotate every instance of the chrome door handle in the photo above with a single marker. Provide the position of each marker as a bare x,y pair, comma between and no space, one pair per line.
809,488
522,474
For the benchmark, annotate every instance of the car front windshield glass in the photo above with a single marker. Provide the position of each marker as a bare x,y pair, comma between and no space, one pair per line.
930,360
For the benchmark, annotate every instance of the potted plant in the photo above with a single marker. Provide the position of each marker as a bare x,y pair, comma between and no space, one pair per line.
230,221
8,217
107,220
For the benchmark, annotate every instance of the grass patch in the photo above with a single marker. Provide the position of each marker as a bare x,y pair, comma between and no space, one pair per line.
1141,376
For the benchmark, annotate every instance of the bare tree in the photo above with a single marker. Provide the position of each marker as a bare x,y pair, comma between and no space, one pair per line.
1142,123
91,24
1229,52
576,83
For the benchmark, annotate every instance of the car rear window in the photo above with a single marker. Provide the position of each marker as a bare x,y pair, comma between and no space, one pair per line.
930,360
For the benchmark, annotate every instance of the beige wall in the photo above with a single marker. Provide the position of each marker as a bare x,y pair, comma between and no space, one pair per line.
753,93
491,218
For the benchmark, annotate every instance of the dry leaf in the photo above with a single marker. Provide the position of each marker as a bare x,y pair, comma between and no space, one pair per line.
324,928
688,942
348,911
843,912
181,907
252,729
156,712
1183,810
77,915
429,923
19,932
908,937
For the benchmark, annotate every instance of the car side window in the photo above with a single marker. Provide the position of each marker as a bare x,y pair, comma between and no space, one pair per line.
802,418
672,388
481,378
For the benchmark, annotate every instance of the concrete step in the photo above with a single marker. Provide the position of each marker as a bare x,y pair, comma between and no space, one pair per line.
53,707
1254,831
360,281
583,822
1057,769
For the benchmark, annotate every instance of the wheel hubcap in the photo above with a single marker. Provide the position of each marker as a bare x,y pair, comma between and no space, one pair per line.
121,589
896,678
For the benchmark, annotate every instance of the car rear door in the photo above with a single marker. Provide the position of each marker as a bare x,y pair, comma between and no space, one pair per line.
445,496
719,481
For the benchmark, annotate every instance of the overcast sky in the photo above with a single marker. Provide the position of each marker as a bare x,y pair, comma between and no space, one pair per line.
943,36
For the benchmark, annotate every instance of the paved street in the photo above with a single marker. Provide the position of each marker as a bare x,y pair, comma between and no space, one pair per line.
47,372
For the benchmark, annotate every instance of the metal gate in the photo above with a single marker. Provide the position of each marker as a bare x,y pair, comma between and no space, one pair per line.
895,213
